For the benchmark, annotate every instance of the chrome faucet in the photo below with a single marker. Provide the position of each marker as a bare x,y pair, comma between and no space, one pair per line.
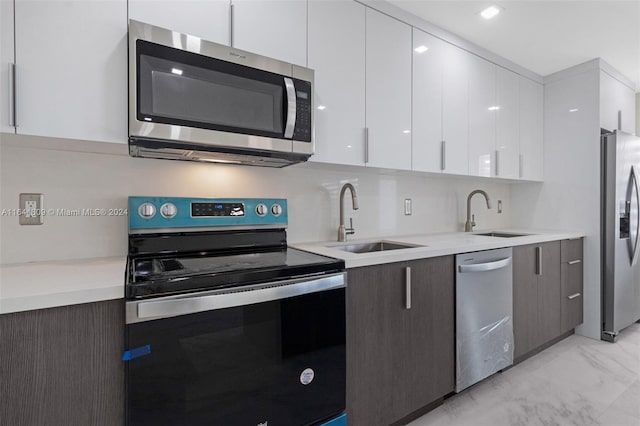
342,231
471,219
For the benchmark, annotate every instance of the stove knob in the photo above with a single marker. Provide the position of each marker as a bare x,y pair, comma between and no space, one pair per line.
261,210
168,210
276,209
147,210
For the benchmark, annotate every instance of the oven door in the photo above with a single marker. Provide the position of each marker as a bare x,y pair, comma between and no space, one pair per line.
266,355
186,89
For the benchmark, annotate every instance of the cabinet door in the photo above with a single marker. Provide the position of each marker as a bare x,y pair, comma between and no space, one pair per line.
424,357
616,98
372,302
455,109
549,291
7,57
336,53
525,299
531,130
507,124
388,82
62,366
207,19
427,141
572,284
482,117
71,72
273,28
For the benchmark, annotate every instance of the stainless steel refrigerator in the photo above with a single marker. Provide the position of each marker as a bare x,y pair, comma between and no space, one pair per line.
620,230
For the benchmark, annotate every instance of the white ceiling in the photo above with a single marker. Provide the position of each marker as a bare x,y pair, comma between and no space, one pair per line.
545,36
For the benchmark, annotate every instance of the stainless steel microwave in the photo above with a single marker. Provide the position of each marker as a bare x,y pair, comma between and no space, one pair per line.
192,99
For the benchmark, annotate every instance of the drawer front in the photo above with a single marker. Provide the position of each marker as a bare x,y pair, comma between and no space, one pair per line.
572,295
571,250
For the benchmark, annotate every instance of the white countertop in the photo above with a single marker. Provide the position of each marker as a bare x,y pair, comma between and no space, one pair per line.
434,245
39,285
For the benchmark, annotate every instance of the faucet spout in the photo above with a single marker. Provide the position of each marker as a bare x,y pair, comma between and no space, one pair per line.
342,231
470,223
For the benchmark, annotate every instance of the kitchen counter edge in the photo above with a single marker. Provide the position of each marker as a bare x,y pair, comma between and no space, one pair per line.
435,245
41,285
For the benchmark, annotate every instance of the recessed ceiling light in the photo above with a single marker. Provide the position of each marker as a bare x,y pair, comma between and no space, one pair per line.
494,108
490,12
406,131
176,71
573,110
421,49
321,107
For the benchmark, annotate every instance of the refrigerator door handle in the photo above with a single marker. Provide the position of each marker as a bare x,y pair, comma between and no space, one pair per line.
634,224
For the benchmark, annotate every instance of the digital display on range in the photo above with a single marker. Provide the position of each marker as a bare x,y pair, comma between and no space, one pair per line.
217,209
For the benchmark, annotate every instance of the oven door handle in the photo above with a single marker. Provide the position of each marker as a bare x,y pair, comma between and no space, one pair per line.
172,306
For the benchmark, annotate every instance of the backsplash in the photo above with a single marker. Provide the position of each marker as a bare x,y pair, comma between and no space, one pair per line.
79,179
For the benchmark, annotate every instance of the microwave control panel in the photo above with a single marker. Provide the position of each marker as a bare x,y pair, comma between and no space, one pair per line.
302,131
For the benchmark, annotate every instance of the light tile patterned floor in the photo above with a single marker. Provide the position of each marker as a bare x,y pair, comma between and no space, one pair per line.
578,381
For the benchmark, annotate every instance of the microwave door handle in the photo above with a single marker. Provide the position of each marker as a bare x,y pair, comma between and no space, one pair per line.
291,108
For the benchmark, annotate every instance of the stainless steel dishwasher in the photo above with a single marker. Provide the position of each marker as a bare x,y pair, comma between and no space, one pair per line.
484,315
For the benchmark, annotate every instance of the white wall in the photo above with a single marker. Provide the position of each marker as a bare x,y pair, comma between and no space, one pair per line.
76,180
569,196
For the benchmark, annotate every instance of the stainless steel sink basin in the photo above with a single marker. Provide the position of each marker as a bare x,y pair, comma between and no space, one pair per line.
375,246
502,234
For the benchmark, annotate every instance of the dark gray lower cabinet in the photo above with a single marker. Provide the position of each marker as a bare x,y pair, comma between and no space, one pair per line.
536,295
399,359
547,293
572,284
61,366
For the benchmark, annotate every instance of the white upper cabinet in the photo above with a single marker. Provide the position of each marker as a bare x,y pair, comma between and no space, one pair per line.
507,124
273,28
71,69
455,109
482,113
388,87
207,19
7,58
531,130
428,64
616,98
337,54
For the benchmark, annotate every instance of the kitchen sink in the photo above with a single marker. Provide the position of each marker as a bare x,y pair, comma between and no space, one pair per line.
502,234
373,247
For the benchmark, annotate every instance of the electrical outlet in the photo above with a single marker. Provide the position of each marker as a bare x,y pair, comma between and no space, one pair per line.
499,206
407,206
31,209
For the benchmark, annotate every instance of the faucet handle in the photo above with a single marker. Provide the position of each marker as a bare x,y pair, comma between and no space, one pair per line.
350,229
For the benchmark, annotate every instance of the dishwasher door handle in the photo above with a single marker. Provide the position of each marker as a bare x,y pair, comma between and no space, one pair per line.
484,267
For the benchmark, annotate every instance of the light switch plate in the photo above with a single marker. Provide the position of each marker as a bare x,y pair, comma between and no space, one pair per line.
31,209
407,207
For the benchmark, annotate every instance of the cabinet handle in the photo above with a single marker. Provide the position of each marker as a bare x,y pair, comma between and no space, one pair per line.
231,25
407,283
521,166
12,94
573,262
539,260
366,144
573,296
443,155
497,163
619,119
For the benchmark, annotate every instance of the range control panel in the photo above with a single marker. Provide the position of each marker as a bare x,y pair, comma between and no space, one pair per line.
172,212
